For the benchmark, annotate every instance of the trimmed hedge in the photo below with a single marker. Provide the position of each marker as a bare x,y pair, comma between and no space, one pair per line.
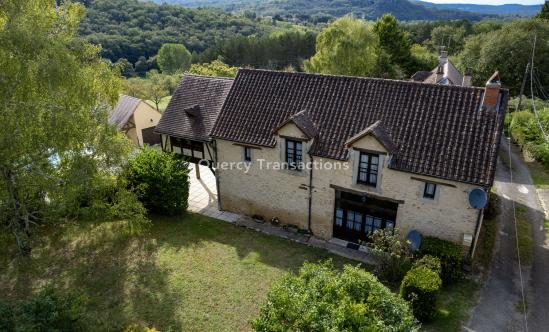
420,287
450,255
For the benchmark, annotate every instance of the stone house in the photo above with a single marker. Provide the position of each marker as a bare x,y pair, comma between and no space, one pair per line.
136,119
446,73
343,156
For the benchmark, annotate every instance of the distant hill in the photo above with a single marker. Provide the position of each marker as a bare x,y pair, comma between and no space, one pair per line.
511,9
325,9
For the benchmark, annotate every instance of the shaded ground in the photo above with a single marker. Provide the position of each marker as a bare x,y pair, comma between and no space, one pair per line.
499,307
193,273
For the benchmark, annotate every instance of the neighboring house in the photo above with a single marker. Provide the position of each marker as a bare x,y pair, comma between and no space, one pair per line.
136,119
445,73
394,154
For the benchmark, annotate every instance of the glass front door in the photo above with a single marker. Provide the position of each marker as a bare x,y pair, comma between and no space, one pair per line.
356,217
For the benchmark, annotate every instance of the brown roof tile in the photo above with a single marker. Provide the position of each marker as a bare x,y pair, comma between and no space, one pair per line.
437,130
194,107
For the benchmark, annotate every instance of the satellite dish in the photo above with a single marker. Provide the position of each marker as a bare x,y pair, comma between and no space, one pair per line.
478,198
415,239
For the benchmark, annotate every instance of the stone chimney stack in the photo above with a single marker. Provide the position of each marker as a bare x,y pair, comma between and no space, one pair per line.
443,57
467,77
440,74
491,92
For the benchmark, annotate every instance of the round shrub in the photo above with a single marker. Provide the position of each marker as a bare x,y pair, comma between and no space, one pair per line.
450,255
321,298
160,180
420,287
430,262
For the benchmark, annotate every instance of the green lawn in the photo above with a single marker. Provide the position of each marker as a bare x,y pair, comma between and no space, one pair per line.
540,174
525,242
190,273
162,105
454,304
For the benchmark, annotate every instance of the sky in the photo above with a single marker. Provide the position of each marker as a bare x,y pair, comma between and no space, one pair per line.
489,2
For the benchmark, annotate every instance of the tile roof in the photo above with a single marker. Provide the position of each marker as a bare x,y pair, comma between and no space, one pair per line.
303,122
379,132
438,130
123,110
194,107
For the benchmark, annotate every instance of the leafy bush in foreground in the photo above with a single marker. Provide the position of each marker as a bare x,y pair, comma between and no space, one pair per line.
160,180
49,310
421,286
320,298
394,255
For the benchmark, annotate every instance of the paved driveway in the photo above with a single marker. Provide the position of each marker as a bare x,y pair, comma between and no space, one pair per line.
203,195
500,297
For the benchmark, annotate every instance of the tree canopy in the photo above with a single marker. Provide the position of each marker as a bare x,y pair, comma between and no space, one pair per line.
346,47
172,58
544,12
395,41
508,50
56,91
214,68
320,298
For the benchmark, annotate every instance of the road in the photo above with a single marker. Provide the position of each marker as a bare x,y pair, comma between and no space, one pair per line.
500,298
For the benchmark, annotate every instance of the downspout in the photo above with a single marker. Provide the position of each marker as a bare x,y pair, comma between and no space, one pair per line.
477,233
310,194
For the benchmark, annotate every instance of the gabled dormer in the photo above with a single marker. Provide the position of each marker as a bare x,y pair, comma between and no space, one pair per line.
295,136
368,151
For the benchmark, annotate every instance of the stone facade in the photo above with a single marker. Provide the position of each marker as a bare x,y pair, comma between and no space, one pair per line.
262,189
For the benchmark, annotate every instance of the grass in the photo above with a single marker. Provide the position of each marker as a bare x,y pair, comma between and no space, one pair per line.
486,241
546,223
189,273
525,242
540,174
454,303
162,105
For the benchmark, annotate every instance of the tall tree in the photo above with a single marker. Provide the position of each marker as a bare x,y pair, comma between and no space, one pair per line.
544,12
395,41
509,50
347,47
54,94
173,57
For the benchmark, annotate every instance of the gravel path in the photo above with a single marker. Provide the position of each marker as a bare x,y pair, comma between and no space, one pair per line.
500,297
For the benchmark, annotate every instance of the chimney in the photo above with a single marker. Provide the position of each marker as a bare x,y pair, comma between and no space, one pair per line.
443,57
467,77
440,74
491,92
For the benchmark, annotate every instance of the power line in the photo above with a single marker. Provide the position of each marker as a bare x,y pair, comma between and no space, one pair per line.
532,89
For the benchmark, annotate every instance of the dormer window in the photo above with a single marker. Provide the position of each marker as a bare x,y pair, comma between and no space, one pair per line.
368,169
294,154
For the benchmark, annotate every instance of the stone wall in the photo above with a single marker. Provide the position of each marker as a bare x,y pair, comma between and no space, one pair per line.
284,193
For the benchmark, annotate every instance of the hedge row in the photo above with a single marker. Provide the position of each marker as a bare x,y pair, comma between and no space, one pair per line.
450,255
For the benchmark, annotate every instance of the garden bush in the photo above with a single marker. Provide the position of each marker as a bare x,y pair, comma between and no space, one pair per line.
450,255
321,298
160,180
49,310
394,255
421,287
430,262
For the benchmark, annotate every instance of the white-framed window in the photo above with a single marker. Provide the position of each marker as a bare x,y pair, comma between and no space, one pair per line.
247,153
430,190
